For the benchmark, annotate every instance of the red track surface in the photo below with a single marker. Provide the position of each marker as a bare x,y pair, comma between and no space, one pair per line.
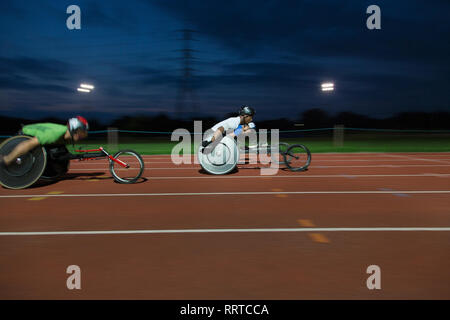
234,265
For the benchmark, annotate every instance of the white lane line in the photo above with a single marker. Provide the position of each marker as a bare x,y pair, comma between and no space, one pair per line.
386,165
311,167
426,175
317,157
335,155
412,158
106,232
176,194
315,160
434,153
420,175
429,160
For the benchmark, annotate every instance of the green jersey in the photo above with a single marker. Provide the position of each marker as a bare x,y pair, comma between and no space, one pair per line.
46,133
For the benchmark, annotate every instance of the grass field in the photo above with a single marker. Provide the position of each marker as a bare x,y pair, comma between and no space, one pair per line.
353,142
359,142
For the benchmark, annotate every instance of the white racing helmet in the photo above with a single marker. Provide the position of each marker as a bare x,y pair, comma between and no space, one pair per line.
77,123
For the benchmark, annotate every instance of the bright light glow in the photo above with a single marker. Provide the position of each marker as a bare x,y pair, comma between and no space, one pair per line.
327,85
328,89
83,90
87,86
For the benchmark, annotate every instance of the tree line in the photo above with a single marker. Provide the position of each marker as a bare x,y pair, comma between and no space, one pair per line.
309,119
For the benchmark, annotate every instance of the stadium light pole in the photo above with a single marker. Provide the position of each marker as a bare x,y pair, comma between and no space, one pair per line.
338,132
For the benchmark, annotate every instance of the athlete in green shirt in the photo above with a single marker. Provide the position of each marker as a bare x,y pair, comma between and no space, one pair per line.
48,133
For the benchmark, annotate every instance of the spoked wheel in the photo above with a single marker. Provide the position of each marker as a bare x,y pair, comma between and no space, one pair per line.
132,172
26,169
297,157
280,150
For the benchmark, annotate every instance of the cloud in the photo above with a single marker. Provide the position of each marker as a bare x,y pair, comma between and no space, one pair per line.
272,54
9,7
109,16
19,83
41,69
321,28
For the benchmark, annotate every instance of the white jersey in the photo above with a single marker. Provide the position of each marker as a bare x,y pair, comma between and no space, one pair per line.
228,124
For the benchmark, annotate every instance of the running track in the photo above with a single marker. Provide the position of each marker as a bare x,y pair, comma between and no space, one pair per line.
182,234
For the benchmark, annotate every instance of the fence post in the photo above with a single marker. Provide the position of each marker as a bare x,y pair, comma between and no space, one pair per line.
113,139
338,135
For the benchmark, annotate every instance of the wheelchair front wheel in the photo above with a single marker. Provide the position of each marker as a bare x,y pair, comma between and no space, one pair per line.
297,157
134,169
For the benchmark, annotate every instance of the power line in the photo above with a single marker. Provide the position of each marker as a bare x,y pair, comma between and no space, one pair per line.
186,86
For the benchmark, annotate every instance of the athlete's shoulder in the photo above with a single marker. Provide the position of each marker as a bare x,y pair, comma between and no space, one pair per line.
233,119
236,120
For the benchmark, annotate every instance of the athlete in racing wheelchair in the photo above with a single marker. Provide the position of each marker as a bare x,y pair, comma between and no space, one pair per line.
43,134
219,153
233,125
22,161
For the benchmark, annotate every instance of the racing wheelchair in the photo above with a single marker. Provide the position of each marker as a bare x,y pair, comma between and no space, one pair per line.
51,162
223,157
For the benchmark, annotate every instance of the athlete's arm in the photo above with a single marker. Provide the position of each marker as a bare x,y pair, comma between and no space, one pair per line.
218,133
215,136
248,127
21,149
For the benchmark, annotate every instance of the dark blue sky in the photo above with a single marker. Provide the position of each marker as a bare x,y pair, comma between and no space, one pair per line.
272,55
